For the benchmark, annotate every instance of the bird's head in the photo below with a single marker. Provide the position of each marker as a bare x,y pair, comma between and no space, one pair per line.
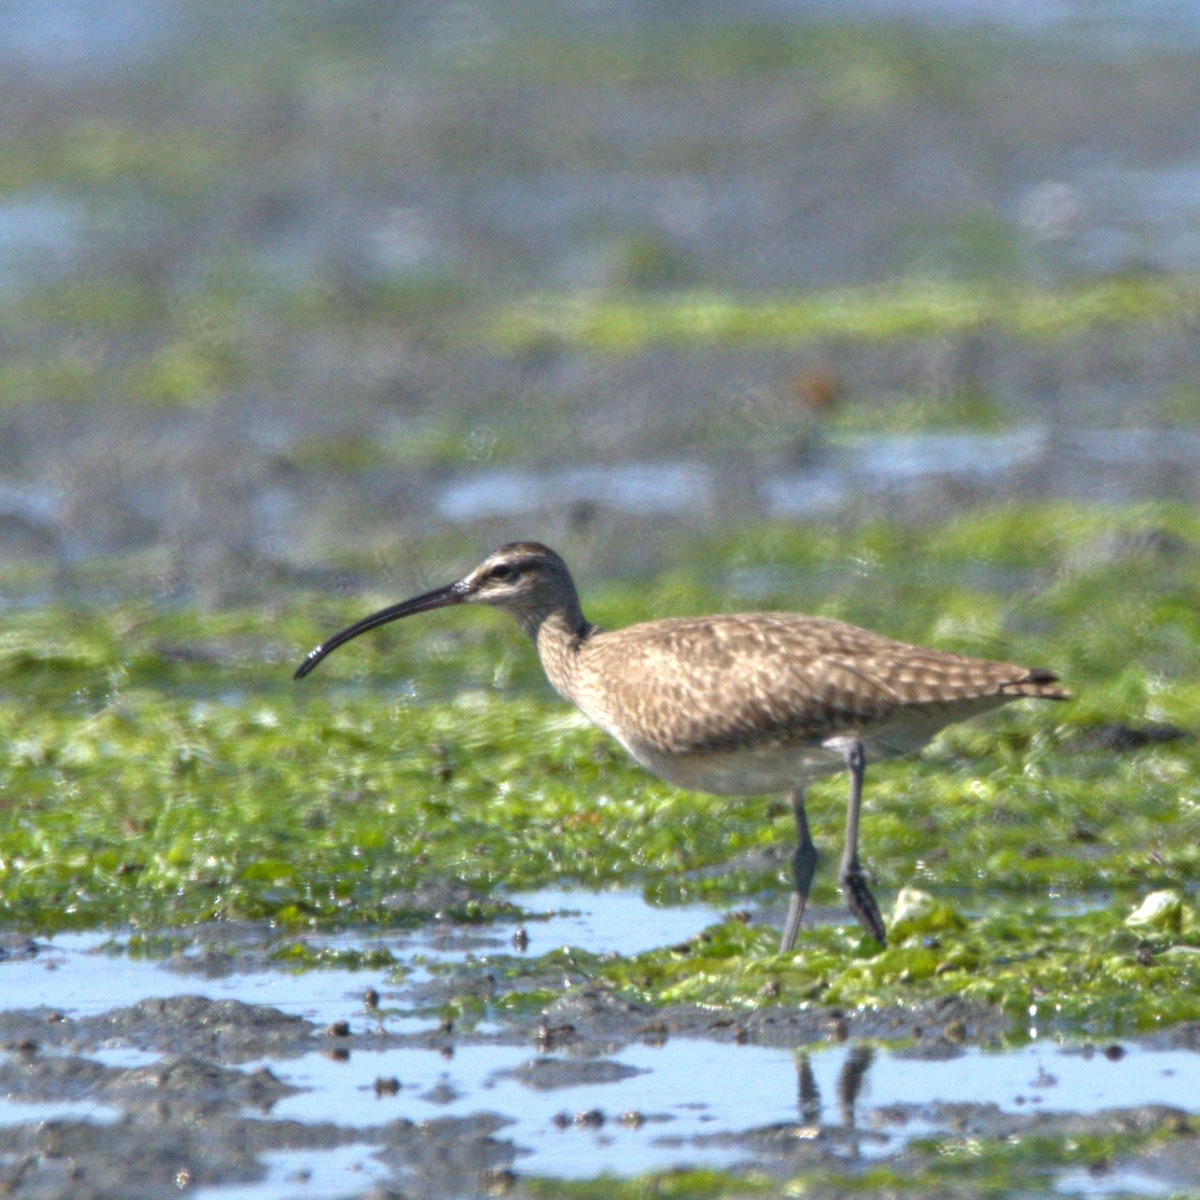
518,578
525,579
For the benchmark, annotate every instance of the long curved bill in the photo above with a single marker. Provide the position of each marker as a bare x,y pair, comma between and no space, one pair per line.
454,593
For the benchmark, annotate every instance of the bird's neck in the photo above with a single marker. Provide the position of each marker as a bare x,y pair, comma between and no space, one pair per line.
558,635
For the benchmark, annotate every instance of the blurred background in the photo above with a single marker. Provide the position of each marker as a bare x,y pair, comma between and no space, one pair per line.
339,296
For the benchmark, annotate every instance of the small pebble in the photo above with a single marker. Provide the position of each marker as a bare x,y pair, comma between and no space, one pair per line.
654,1033
653,1027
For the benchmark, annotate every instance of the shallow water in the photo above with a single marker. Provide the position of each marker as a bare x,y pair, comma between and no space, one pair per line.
1079,464
1130,1182
688,1090
84,974
649,1106
313,1174
18,1112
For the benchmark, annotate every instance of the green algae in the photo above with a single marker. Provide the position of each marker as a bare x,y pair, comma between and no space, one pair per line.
1019,1164
964,409
904,308
702,1184
852,66
346,958
1051,972
159,768
1016,1165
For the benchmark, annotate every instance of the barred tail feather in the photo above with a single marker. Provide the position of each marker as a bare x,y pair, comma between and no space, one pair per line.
1036,682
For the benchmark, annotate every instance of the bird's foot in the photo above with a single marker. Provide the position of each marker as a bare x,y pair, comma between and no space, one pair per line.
862,903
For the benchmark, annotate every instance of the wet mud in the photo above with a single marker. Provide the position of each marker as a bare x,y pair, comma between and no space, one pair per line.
188,1092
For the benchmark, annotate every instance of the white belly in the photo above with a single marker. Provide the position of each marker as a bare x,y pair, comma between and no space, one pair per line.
760,770
744,772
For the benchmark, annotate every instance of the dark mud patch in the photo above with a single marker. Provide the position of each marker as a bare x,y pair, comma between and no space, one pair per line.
1120,738
597,1018
187,1120
186,1086
142,1157
545,1074
225,1031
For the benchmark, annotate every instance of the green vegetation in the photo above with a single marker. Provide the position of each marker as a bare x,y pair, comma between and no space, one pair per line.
231,331
950,1165
845,67
672,1185
1053,973
160,767
906,308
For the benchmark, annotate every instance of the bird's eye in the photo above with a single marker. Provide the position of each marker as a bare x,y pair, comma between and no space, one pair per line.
502,571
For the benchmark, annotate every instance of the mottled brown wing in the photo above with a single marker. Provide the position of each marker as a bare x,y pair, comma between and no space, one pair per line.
688,686
693,685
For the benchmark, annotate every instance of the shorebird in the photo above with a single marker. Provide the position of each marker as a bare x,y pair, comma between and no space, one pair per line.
736,704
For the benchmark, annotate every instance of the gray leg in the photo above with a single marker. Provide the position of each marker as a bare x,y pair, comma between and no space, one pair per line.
804,863
851,875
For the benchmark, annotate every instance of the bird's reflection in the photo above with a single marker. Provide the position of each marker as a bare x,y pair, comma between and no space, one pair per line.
849,1086
810,1096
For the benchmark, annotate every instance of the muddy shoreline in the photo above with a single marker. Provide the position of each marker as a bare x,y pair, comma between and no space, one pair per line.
182,1090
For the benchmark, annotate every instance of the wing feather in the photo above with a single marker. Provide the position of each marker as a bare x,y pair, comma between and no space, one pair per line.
696,685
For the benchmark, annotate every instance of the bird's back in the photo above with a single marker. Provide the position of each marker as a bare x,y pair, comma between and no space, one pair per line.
771,684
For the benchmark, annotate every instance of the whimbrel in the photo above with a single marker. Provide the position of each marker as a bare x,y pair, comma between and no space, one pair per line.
739,704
